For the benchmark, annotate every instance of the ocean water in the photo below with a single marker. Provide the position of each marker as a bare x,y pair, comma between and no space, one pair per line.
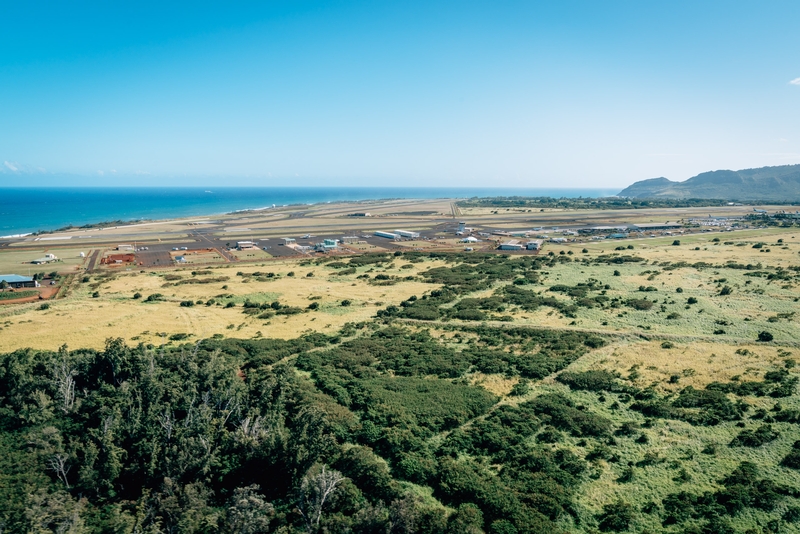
24,210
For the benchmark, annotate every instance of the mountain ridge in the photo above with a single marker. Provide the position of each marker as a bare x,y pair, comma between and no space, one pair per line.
762,183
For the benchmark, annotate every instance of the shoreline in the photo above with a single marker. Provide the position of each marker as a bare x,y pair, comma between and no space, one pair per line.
47,210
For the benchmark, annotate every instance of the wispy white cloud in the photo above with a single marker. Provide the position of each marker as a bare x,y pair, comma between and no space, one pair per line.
11,166
796,81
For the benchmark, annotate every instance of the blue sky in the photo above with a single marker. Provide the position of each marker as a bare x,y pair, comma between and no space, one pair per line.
528,94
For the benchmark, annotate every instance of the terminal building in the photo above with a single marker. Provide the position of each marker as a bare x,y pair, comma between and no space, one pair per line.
655,226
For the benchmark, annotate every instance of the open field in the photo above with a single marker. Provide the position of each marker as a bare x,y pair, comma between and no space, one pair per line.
19,261
250,254
83,321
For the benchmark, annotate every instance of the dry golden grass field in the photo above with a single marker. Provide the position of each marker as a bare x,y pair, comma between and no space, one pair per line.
83,321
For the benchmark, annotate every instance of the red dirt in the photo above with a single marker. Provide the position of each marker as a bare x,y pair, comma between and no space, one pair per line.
45,293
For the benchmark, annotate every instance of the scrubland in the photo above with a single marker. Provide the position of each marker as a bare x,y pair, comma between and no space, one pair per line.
633,386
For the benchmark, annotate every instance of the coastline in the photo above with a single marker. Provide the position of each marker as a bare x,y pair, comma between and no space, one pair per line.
28,211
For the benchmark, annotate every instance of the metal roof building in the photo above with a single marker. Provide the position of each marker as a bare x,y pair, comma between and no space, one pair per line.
16,281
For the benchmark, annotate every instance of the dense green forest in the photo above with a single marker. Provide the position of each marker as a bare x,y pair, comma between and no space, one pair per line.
382,429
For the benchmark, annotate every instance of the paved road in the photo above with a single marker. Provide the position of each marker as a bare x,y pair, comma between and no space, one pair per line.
215,245
93,261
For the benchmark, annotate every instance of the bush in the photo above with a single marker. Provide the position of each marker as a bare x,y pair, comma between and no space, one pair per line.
615,517
591,380
765,337
187,303
640,304
691,300
676,243
230,305
96,294
346,302
137,296
154,297
44,306
313,306
755,438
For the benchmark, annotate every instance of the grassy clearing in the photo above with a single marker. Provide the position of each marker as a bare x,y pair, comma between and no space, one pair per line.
200,257
250,254
84,321
19,261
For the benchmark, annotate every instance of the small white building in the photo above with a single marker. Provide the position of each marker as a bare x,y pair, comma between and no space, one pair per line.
534,245
124,247
46,259
469,239
350,239
289,240
244,245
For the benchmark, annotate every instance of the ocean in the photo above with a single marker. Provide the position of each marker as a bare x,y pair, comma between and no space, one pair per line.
25,210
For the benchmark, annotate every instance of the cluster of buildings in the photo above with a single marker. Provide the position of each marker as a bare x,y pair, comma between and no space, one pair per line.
398,234
47,258
514,244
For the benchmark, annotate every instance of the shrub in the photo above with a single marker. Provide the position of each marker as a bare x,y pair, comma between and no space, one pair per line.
44,306
137,296
792,460
289,310
673,315
755,438
230,305
765,337
640,304
290,273
676,243
187,303
726,290
591,380
346,302
691,300
313,306
679,290
667,345
615,517
96,294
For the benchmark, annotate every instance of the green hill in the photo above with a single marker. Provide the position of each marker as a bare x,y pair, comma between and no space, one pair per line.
765,183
